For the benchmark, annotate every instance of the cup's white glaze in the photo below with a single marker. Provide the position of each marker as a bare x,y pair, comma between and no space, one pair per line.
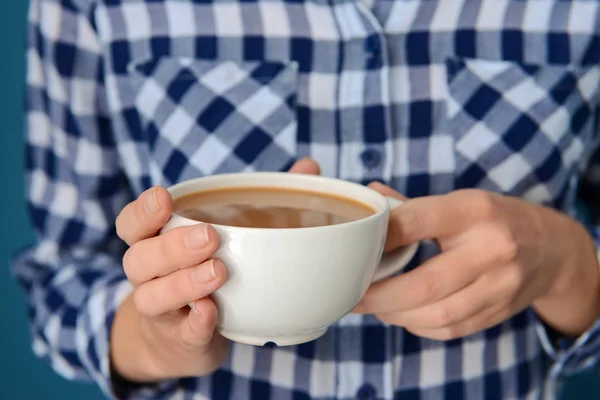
288,285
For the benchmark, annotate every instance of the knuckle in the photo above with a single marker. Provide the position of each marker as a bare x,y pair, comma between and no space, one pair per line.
143,302
429,288
418,219
443,316
179,287
129,263
407,219
505,245
515,278
483,204
171,244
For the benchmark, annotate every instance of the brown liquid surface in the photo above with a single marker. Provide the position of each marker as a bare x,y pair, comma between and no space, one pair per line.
254,207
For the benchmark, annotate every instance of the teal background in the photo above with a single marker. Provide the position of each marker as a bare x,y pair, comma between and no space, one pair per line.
22,375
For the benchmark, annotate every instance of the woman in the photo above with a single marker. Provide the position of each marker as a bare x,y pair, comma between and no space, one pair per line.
482,113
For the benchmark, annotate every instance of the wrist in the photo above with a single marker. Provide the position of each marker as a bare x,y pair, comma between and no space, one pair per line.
578,264
140,354
571,302
129,349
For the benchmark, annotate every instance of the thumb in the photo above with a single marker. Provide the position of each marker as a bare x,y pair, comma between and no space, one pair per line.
306,166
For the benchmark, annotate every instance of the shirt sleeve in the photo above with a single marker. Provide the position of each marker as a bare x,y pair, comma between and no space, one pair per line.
583,353
75,189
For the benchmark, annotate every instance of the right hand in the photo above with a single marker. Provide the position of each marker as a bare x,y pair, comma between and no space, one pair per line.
155,335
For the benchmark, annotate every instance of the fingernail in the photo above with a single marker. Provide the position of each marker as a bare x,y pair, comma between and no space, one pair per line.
196,237
204,272
195,309
151,202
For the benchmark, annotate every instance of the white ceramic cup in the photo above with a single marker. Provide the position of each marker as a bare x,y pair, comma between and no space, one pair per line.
288,285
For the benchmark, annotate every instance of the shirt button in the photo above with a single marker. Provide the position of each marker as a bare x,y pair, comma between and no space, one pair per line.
373,50
371,158
366,392
372,45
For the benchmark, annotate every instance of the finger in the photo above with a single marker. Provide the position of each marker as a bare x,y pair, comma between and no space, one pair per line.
436,279
198,328
176,290
480,322
463,305
510,301
306,166
177,249
430,217
145,216
386,190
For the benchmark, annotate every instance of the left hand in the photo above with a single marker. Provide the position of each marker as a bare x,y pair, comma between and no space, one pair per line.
499,256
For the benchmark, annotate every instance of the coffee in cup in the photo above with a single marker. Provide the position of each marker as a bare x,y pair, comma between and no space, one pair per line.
268,207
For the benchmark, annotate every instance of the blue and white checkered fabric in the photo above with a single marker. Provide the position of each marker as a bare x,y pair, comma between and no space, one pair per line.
427,96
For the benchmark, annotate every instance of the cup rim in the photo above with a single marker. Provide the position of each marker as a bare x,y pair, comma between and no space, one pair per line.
323,179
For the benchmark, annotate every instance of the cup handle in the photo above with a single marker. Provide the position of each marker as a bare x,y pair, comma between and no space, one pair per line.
396,260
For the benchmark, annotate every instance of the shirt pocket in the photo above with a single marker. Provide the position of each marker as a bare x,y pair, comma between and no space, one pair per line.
203,117
520,129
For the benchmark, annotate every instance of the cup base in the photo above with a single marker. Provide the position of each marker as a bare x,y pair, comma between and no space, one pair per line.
278,340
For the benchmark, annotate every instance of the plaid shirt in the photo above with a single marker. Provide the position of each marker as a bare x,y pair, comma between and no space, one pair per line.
426,96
